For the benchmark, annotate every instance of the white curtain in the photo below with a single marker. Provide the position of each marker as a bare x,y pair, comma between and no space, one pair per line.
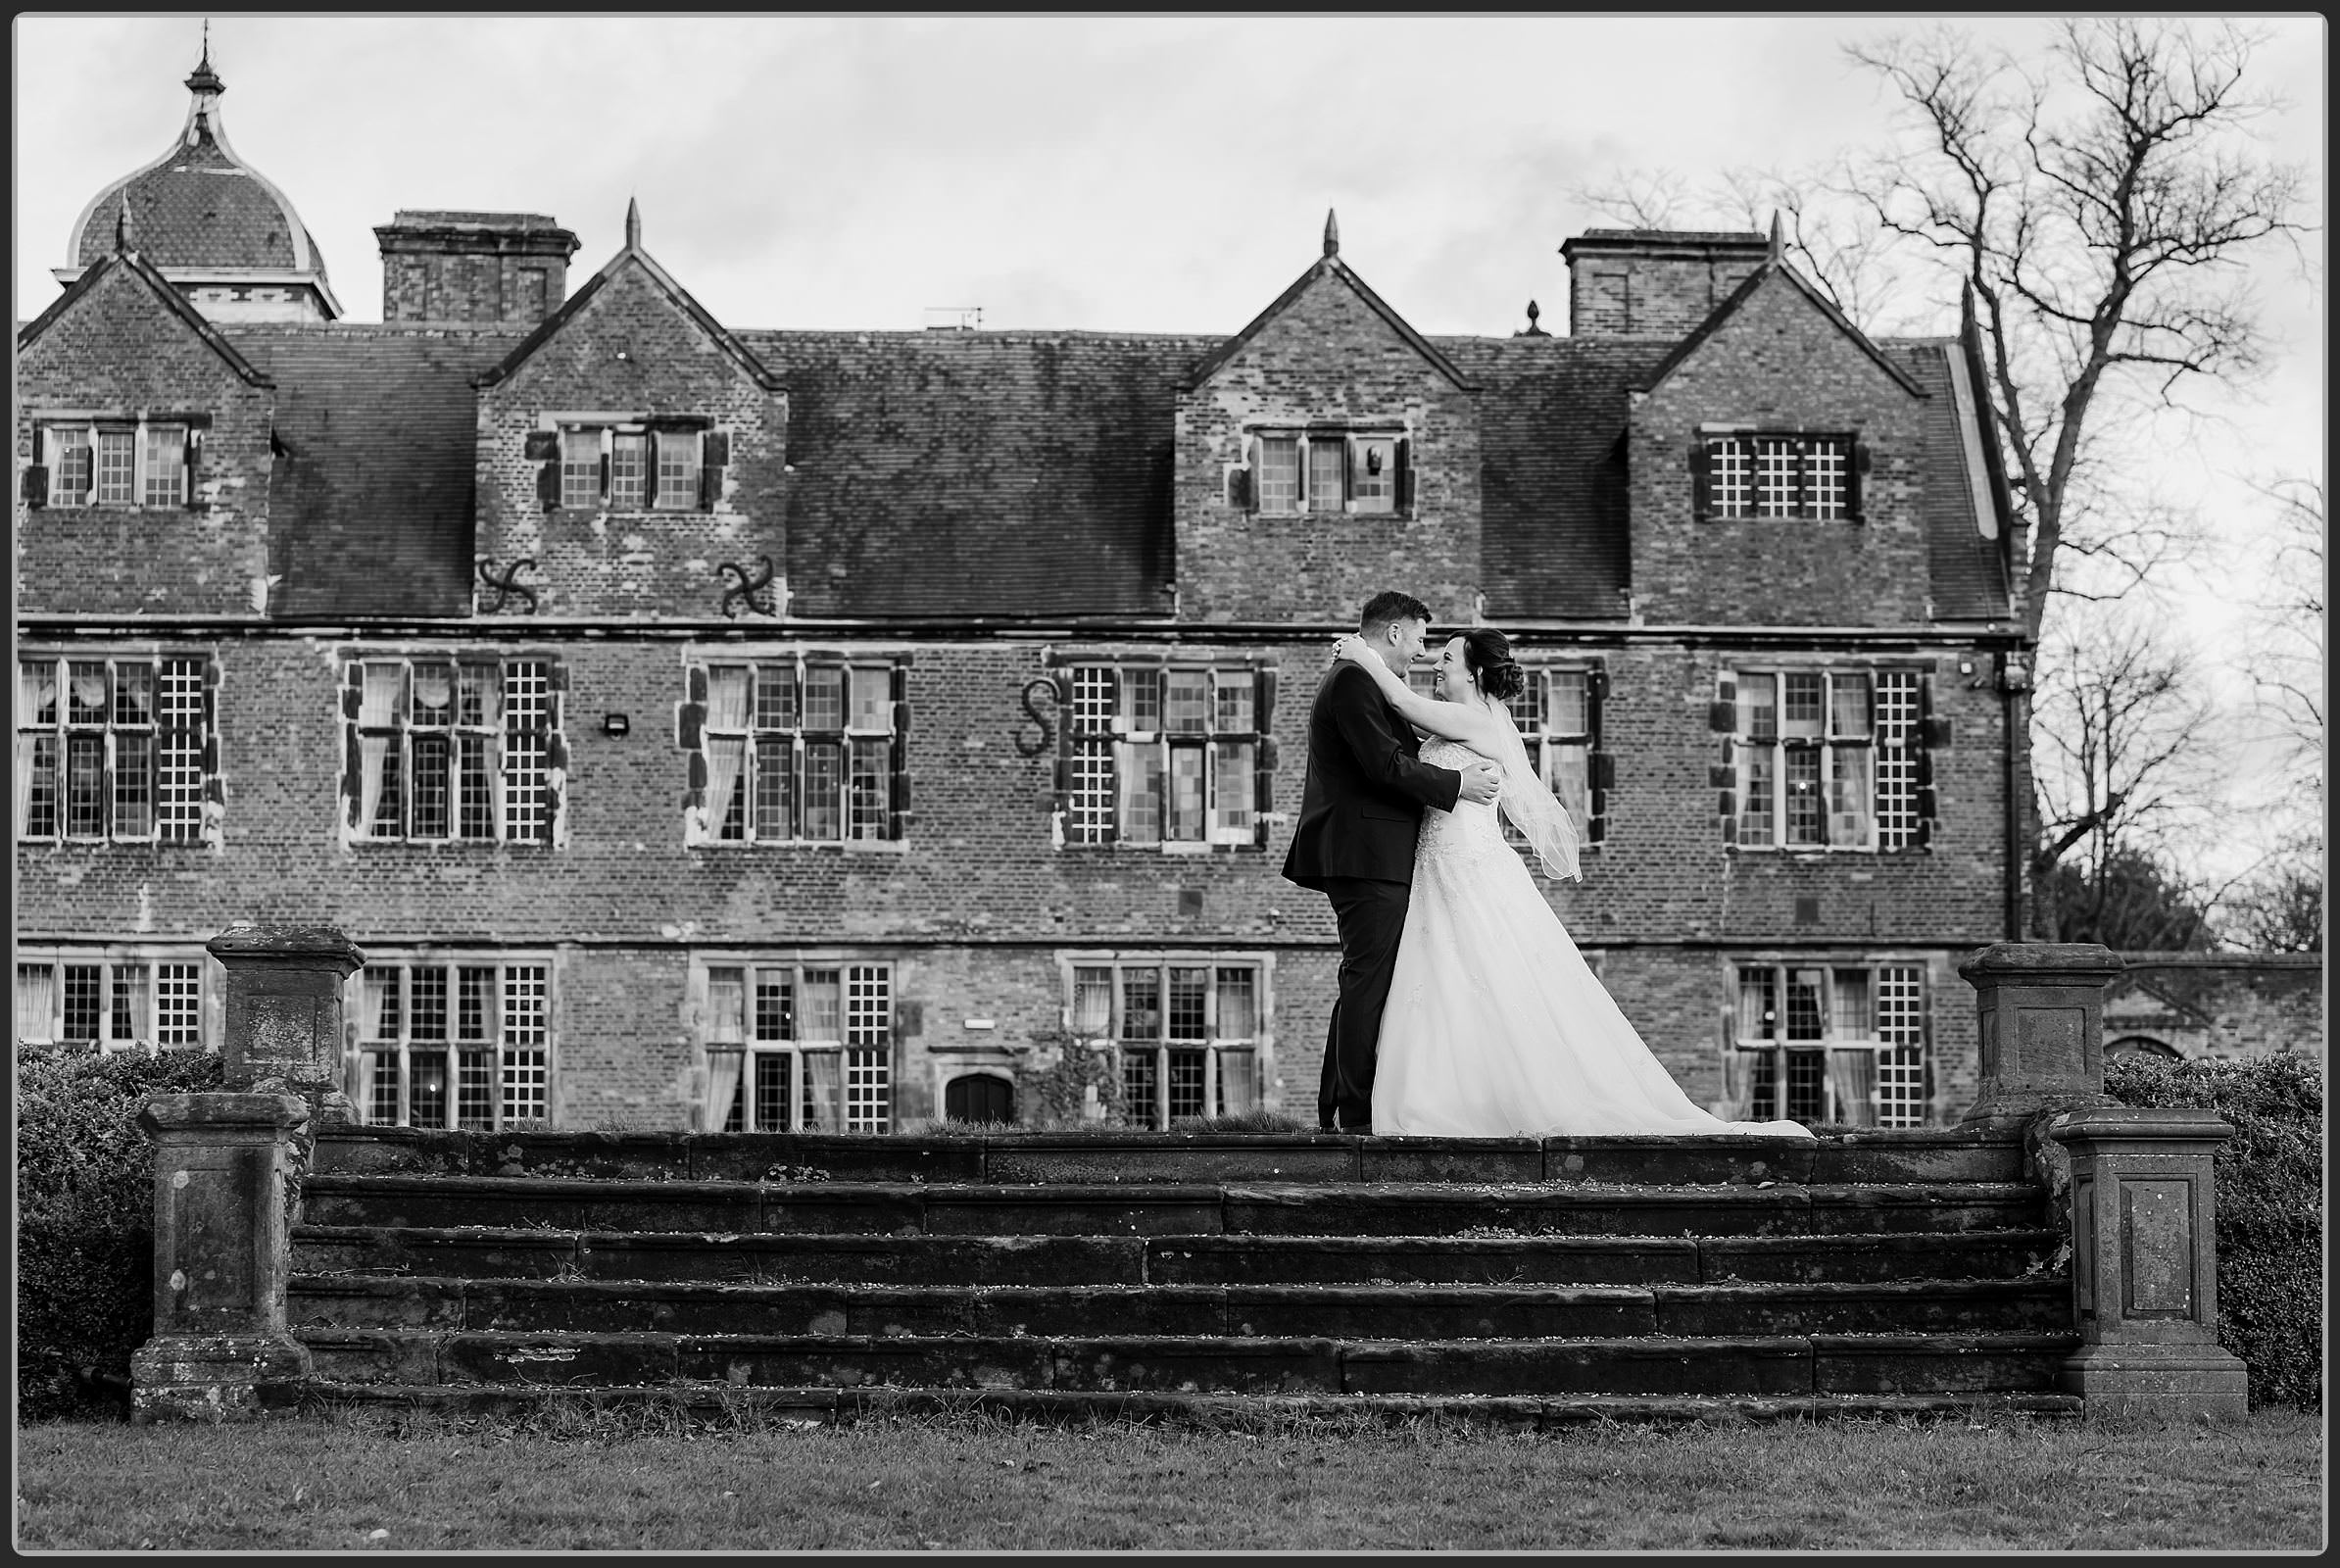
1093,1003
434,691
722,1087
1738,1084
1851,821
824,1072
365,1062
23,790
133,1009
371,748
1852,1079
727,698
726,1040
1238,1083
89,692
377,709
723,760
36,1001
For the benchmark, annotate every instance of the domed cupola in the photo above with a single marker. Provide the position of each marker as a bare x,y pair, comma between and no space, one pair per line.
211,224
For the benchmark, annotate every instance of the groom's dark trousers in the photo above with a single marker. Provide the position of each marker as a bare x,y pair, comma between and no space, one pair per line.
1371,915
1360,812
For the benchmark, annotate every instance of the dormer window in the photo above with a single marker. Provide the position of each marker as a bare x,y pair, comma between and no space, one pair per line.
124,461
629,466
1784,473
1323,469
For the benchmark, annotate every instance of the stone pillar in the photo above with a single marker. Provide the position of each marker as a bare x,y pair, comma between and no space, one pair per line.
283,1012
2144,1266
222,1169
2040,1008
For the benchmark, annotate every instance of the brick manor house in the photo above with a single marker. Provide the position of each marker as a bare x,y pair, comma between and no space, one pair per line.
704,726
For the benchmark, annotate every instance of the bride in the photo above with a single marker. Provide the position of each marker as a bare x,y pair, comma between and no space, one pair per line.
1496,1027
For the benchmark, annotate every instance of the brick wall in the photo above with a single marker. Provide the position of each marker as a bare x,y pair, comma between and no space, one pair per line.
121,351
482,273
1652,286
631,350
1778,362
1327,357
976,906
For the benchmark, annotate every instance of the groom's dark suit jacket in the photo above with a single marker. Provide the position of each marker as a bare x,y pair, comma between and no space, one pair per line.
1361,807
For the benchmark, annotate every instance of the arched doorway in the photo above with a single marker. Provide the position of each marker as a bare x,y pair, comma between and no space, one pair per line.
979,1096
2143,1046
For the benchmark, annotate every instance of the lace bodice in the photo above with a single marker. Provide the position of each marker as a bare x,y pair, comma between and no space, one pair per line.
1470,829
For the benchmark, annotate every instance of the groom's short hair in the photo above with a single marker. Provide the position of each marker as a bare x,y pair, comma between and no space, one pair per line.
1384,607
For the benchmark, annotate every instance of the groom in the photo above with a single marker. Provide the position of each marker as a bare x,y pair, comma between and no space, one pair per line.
1360,811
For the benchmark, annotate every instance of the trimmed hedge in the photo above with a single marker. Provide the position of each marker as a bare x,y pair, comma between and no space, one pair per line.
2270,1206
86,1219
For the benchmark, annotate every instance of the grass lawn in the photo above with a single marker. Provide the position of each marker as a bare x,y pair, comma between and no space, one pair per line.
660,1480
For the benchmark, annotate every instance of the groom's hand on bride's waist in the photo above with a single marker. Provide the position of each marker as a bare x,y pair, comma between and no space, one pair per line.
1480,781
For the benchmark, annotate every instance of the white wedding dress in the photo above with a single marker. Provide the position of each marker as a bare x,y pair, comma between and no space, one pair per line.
1495,1025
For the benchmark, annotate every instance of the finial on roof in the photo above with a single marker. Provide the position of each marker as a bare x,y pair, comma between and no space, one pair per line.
1332,232
633,224
205,79
1966,307
1778,239
123,243
1533,330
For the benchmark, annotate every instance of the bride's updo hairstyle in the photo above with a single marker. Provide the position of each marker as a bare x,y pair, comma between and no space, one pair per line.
1486,653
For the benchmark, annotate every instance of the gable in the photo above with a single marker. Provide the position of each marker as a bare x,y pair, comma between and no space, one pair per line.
106,318
1786,326
1327,304
631,307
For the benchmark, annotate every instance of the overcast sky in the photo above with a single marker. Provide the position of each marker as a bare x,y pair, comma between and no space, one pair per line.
1104,173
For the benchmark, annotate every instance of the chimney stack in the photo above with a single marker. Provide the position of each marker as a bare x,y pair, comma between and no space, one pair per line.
1653,282
473,268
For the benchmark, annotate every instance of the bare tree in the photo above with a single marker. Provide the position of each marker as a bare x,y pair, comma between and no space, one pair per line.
2095,208
2098,208
2283,649
2122,754
2281,910
1835,243
1639,198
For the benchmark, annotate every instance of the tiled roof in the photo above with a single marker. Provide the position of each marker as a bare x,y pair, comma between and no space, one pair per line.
370,500
200,207
979,473
1966,574
992,473
1553,541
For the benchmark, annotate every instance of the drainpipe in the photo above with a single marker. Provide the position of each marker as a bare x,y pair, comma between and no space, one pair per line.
2011,696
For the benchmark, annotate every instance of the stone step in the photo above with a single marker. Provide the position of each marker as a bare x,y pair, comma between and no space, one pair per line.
718,1402
1376,1209
1089,1160
1768,1366
1203,1311
975,1260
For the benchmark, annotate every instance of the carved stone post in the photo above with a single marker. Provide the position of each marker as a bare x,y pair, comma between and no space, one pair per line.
220,1351
2040,1008
2144,1266
284,1012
